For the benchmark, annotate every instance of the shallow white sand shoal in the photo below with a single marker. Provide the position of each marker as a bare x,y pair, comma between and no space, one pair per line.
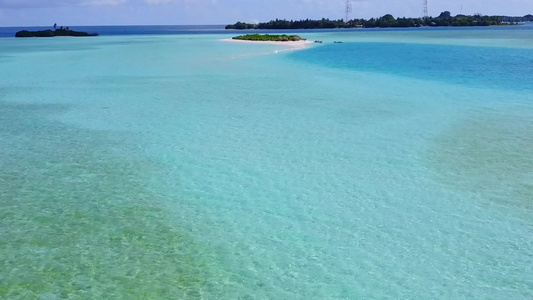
296,45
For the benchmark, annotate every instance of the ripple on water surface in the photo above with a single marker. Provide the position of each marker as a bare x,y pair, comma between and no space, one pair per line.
489,153
82,222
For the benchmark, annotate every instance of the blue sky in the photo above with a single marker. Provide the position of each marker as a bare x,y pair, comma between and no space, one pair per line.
181,12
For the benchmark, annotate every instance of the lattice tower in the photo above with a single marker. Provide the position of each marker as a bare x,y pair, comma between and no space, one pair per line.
348,10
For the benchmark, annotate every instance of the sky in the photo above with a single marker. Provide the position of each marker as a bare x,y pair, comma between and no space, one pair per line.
204,12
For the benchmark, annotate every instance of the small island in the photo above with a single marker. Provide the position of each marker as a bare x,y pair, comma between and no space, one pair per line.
52,33
294,42
269,37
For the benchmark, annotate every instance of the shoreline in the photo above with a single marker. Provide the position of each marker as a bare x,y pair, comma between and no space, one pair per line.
295,45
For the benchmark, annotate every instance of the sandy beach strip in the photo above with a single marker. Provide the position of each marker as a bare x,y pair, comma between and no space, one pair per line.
296,45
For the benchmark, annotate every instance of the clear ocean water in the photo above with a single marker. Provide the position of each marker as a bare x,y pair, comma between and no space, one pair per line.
155,164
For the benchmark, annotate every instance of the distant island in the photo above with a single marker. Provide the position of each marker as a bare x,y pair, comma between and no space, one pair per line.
444,19
269,37
52,33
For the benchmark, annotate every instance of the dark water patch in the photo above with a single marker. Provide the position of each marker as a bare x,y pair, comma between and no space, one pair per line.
493,67
81,221
489,155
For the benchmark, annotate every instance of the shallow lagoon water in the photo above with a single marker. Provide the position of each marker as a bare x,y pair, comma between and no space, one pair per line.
183,167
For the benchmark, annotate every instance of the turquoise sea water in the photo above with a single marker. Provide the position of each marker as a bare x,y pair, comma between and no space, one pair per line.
397,165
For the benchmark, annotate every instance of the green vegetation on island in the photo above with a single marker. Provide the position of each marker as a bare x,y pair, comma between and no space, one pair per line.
444,19
526,18
268,37
52,33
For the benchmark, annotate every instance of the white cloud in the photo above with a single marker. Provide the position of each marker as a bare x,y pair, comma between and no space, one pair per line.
58,3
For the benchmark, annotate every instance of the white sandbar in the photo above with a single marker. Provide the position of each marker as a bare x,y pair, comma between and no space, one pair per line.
296,45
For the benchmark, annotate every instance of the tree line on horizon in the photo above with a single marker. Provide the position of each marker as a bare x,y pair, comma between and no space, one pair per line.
386,21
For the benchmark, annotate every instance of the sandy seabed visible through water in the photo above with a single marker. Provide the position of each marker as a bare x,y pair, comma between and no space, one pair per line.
181,167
